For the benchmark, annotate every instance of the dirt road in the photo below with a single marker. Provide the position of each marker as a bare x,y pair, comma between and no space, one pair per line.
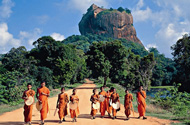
16,117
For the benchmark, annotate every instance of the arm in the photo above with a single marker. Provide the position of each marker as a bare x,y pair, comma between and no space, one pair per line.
48,92
24,95
91,99
137,100
57,102
37,94
124,101
131,97
67,99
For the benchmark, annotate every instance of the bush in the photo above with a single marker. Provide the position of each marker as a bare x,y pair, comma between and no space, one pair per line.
176,102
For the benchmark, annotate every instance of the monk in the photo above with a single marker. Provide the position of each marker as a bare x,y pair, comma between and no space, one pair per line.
74,99
114,99
28,109
109,107
141,96
62,104
128,103
43,92
94,99
103,105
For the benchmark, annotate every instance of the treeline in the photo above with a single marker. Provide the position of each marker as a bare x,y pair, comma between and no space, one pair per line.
78,57
163,72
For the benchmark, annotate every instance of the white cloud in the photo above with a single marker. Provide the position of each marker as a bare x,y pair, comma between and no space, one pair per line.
28,38
172,20
57,36
140,14
153,45
83,5
6,39
5,8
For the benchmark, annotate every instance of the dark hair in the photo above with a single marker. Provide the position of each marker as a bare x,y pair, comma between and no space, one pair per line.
126,90
29,84
112,88
42,82
74,90
94,90
101,87
62,88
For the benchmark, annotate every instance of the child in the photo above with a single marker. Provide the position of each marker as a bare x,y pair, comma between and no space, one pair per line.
62,105
94,99
28,108
128,103
74,99
114,98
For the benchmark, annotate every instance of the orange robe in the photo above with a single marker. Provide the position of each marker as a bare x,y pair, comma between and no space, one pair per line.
103,105
74,113
114,98
142,105
109,108
128,104
94,99
44,99
28,109
63,100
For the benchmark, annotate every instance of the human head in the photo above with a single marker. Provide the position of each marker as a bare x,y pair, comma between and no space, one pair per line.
112,89
140,88
102,88
29,85
63,89
74,91
43,83
127,91
95,91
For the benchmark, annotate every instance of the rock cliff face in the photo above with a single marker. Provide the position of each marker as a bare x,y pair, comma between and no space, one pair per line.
108,22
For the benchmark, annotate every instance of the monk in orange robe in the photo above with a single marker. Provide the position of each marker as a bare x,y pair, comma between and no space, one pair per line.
43,92
62,104
109,107
128,103
141,96
103,105
74,99
28,109
94,99
114,98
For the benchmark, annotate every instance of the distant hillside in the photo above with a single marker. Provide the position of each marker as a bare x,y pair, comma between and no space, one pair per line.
84,41
115,23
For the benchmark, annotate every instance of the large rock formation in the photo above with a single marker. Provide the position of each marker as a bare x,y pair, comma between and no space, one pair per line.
108,22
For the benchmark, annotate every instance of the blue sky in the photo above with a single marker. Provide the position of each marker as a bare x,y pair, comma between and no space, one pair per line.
158,23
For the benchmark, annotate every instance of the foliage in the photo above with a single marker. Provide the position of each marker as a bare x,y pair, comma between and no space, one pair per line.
16,59
106,59
164,70
181,57
176,102
84,41
139,70
128,11
120,9
12,86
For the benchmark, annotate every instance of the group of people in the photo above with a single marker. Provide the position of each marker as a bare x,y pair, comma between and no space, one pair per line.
112,97
103,98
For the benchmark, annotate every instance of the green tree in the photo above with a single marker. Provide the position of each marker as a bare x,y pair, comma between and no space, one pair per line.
107,60
181,55
164,70
16,59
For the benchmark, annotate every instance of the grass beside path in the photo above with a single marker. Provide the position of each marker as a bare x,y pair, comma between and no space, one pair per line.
8,108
